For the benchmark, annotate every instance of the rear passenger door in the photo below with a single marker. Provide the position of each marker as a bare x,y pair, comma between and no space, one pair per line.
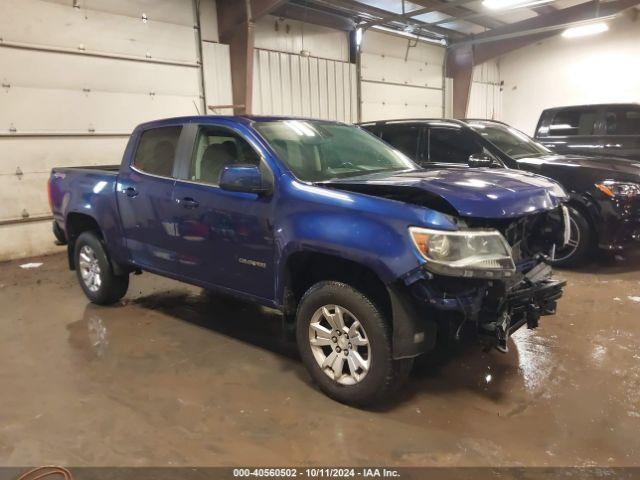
144,197
621,132
573,130
405,138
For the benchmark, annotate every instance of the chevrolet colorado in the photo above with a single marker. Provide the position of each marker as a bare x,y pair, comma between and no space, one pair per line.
369,257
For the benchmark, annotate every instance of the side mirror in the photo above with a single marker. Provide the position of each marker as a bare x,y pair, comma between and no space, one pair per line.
243,178
481,160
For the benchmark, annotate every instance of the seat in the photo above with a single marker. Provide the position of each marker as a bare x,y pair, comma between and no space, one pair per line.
214,159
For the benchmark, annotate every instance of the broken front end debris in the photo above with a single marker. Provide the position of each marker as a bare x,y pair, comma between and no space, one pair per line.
494,293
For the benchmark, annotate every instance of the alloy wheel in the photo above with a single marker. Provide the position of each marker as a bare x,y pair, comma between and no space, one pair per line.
90,268
339,344
570,248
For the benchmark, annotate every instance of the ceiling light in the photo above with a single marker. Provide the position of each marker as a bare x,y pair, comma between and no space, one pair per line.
584,30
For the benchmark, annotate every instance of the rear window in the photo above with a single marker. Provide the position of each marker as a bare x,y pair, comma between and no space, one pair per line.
156,152
622,121
573,122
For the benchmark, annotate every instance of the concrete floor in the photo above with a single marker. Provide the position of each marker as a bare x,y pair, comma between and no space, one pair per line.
175,377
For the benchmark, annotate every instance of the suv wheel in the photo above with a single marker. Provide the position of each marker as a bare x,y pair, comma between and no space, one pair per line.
94,271
580,241
345,343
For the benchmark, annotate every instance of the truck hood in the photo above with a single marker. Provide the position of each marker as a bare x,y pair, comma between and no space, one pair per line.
615,168
466,192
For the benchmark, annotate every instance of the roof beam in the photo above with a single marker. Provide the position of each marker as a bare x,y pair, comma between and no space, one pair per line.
235,25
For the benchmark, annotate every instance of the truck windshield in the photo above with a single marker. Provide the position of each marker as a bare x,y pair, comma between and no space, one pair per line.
511,141
317,151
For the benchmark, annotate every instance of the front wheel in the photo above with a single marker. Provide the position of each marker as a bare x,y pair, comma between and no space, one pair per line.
95,273
575,252
345,342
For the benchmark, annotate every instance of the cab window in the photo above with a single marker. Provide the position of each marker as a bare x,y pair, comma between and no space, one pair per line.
574,122
156,153
215,149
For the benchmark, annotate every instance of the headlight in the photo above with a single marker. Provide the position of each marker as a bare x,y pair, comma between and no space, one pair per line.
612,188
466,253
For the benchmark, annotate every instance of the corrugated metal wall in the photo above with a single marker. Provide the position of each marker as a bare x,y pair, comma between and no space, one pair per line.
321,83
401,78
485,98
289,84
75,81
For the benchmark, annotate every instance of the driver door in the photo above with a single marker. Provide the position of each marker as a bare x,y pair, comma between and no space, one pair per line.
225,238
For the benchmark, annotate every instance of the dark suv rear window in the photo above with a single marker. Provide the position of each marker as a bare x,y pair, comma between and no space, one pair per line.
156,152
573,122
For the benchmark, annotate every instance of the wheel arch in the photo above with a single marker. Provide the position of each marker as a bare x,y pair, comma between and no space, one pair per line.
412,334
75,225
589,210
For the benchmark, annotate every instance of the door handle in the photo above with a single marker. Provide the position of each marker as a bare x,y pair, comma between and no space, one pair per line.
130,192
188,202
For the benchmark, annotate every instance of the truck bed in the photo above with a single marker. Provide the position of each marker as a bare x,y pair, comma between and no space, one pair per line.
100,168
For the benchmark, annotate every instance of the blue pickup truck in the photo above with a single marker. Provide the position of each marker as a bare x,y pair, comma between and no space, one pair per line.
370,258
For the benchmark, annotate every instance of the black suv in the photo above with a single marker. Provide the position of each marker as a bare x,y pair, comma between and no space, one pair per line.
610,129
604,192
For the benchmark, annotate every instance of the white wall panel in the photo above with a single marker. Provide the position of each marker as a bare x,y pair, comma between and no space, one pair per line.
101,68
23,194
39,154
28,68
383,68
401,78
63,111
26,240
37,22
217,76
383,101
168,11
288,84
558,71
208,20
485,98
292,36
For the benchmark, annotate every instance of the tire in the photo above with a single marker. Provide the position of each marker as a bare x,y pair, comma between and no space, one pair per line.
582,235
61,238
95,273
354,385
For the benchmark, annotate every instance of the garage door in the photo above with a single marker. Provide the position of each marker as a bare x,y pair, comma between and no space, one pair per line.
77,76
401,78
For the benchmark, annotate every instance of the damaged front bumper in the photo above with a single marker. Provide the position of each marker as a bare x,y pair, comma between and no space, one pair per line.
493,310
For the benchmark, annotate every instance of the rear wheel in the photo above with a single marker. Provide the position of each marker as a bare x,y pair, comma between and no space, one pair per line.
345,342
95,273
580,243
